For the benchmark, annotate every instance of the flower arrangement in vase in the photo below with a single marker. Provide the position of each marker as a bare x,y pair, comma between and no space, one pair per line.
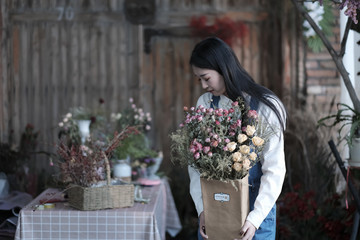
79,121
136,147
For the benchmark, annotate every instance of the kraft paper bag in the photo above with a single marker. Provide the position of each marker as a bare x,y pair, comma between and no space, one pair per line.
225,207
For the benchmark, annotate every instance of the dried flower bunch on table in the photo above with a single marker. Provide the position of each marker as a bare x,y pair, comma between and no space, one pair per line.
85,166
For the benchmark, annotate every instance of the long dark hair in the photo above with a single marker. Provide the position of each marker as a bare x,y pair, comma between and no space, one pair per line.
213,53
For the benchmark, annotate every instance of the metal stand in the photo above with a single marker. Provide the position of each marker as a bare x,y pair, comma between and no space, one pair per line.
351,187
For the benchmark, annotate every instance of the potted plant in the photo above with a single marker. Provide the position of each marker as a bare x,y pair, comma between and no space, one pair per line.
134,147
78,122
346,116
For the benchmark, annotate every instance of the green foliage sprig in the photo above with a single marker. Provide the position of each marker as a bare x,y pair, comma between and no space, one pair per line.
345,116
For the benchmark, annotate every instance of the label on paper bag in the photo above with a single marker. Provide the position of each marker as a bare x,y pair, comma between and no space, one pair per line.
222,197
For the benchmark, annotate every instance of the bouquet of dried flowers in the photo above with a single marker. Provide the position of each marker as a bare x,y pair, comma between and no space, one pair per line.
85,166
222,144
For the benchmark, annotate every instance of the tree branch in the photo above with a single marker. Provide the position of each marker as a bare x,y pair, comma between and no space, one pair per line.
337,59
344,40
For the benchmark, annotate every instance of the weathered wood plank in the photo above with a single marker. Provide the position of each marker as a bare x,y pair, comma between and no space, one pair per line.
255,55
102,65
132,62
15,82
112,50
35,109
4,81
23,72
84,60
63,77
124,76
54,80
94,63
159,89
54,15
73,65
45,53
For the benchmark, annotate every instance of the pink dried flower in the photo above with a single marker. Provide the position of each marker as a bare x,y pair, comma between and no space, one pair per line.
238,123
215,143
206,149
199,146
252,114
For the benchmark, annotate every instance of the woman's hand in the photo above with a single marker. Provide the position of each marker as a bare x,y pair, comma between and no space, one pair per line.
202,225
247,232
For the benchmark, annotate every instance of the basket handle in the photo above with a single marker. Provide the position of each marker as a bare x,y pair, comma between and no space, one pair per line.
107,165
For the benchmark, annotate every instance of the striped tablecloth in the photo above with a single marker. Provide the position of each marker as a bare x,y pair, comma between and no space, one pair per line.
142,221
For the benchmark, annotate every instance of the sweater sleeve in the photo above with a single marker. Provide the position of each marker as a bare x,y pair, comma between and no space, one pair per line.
195,189
273,168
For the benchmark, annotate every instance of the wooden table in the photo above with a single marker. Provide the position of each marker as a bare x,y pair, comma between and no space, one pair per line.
142,221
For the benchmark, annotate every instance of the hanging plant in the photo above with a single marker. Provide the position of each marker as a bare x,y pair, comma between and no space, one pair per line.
324,18
224,28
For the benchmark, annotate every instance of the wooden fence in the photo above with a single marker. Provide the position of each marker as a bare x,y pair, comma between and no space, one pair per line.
60,54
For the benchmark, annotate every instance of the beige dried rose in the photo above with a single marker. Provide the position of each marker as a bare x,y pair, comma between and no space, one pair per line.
246,163
253,156
250,130
237,156
237,166
242,138
231,146
257,141
244,149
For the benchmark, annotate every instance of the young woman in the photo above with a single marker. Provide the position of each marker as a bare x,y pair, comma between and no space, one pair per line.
223,78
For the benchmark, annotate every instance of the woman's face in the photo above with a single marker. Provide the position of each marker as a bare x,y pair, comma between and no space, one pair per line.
211,81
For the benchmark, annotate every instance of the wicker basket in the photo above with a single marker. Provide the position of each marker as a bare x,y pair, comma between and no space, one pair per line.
103,197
